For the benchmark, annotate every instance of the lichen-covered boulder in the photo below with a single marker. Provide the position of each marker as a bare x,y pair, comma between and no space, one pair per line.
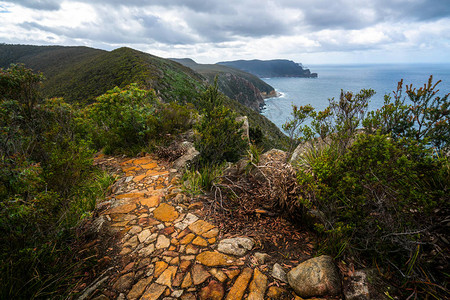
236,246
315,277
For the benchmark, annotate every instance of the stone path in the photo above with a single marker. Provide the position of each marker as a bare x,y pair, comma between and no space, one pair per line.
165,251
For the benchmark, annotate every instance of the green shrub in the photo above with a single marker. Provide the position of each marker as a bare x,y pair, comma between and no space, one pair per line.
380,194
45,174
421,115
253,156
376,185
294,127
122,119
218,134
256,135
21,84
130,120
201,181
173,119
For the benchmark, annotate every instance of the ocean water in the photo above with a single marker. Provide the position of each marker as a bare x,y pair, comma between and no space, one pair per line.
332,78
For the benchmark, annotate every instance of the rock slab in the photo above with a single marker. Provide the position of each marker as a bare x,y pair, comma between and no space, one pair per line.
236,246
279,273
315,277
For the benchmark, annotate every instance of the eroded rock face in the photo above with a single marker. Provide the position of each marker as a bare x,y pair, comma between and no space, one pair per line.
315,277
236,246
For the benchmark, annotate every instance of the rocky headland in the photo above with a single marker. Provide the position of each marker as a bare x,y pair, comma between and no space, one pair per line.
271,68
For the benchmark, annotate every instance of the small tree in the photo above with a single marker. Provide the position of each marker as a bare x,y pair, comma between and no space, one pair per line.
422,116
296,132
218,134
123,119
336,125
21,84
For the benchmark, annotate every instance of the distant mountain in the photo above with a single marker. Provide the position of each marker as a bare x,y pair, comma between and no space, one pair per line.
80,74
270,68
244,87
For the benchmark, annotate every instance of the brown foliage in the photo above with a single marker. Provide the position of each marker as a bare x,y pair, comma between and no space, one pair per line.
171,152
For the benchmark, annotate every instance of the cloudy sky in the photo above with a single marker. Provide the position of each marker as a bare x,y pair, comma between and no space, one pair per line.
307,31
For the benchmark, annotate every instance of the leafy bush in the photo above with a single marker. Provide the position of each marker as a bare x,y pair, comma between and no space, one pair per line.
130,119
218,134
46,186
122,119
380,193
294,127
384,191
421,116
173,119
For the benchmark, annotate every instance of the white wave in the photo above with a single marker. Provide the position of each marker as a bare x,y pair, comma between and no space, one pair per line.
281,94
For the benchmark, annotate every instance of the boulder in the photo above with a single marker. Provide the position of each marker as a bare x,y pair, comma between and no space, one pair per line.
315,277
236,246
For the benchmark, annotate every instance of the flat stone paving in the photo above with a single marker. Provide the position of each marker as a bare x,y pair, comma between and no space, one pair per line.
169,252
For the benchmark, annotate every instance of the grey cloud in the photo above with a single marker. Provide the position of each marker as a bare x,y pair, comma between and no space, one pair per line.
216,21
207,21
214,29
337,18
162,32
334,26
356,14
247,20
37,4
417,10
220,21
108,30
194,5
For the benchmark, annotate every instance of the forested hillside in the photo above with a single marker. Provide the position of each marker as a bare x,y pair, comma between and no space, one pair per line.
244,87
270,68
80,74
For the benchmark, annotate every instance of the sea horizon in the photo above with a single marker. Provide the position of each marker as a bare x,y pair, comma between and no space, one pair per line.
382,77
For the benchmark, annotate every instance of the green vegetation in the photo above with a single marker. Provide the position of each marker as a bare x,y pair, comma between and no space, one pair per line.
122,119
241,86
218,138
219,135
81,74
47,186
382,191
132,120
202,180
